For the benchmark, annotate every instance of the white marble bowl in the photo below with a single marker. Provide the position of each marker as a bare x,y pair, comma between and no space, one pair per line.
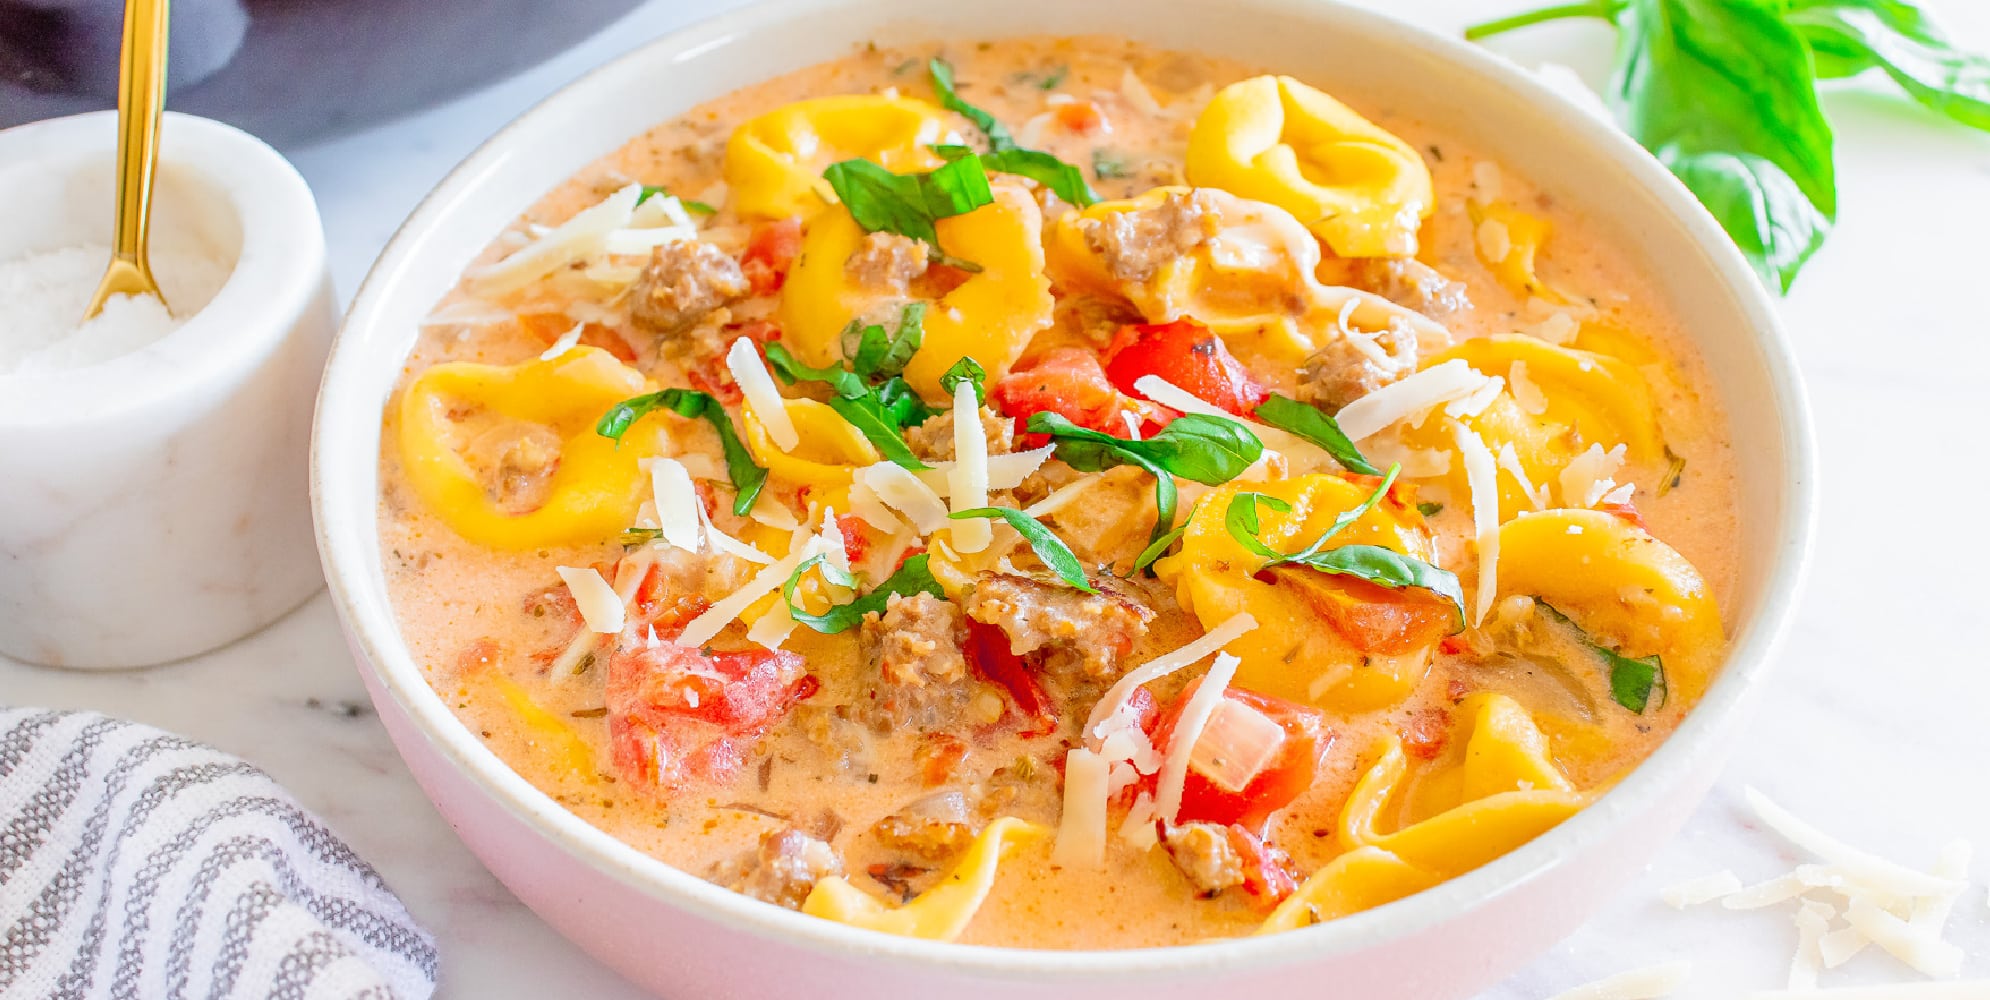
679,935
153,506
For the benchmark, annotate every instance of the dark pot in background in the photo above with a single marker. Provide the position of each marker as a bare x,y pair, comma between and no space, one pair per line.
287,70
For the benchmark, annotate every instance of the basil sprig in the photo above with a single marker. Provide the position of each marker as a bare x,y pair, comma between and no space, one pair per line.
1209,450
747,476
1633,680
1373,563
910,204
651,191
870,394
1160,546
911,577
1004,155
1048,547
1313,424
966,370
1724,93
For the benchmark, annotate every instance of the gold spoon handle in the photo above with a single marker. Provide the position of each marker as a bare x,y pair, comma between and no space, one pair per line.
141,98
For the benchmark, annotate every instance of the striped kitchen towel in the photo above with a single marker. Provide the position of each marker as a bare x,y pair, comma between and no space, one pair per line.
137,864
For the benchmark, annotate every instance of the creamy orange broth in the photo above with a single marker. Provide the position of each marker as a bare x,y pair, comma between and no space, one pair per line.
465,609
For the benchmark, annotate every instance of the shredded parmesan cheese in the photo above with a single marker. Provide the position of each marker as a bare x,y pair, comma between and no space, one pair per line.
1638,984
576,239
773,628
905,493
1510,461
1195,715
564,344
599,606
1061,496
1495,243
680,515
1081,832
1163,665
1975,989
1137,829
763,397
707,626
1526,391
1704,889
1591,475
1869,869
1137,94
1175,397
1486,182
1482,478
967,481
866,504
1411,396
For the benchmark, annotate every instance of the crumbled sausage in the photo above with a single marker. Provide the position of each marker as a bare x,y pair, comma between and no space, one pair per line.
915,640
933,441
1346,370
1409,283
684,284
1135,244
783,869
1205,856
886,263
1094,629
935,827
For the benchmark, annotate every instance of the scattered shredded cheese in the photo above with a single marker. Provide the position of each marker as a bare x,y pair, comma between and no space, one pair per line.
763,397
1704,889
724,543
1137,94
639,242
1137,829
1510,461
1925,953
1175,397
905,493
1526,391
1486,182
1411,396
835,551
1495,243
967,481
773,513
1167,663
1081,832
1061,496
578,238
564,344
867,505
1975,989
773,628
1188,729
1589,476
707,626
1813,920
1870,869
599,605
680,514
1482,478
1638,984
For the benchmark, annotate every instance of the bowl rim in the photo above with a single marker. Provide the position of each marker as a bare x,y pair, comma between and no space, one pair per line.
1721,708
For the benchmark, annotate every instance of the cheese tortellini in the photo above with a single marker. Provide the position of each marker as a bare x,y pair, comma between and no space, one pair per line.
1404,833
1363,191
940,913
991,315
774,163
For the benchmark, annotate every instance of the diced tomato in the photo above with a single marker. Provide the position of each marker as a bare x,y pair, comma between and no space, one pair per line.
666,612
676,714
938,757
1425,732
1239,771
990,657
1268,876
1081,117
856,537
770,252
1626,512
1187,354
478,656
1371,617
1069,382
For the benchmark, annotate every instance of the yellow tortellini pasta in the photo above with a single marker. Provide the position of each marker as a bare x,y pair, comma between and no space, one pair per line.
774,163
1292,653
940,913
1363,191
992,315
1623,587
1521,235
534,419
1404,834
1253,282
828,454
549,733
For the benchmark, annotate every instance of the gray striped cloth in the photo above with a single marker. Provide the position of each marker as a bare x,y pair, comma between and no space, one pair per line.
137,864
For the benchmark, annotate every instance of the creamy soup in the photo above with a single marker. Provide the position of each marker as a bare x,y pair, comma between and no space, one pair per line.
1336,513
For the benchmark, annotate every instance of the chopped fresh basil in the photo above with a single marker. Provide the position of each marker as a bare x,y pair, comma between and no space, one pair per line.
1063,179
1848,37
870,418
651,190
639,536
943,83
911,577
1373,563
879,412
1110,166
1208,449
790,369
1313,424
1429,509
1004,155
747,476
1048,547
1632,679
909,204
970,371
1160,546
876,354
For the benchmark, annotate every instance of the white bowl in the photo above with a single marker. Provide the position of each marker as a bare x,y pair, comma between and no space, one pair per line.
677,934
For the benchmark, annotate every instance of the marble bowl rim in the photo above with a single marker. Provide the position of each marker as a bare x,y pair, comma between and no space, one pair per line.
278,271
345,533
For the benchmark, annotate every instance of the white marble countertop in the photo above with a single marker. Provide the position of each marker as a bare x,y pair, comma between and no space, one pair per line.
1878,728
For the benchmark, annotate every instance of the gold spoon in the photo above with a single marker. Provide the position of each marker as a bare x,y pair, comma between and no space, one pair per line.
141,96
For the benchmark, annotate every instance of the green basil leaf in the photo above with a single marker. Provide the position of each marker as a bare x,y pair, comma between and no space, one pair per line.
1632,680
651,190
1350,515
1053,78
1848,37
1390,569
1110,166
1048,547
1241,520
1210,450
902,404
1161,544
1313,424
879,355
1429,509
943,84
1606,9
870,419
1722,92
790,370
909,204
966,370
912,577
747,476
